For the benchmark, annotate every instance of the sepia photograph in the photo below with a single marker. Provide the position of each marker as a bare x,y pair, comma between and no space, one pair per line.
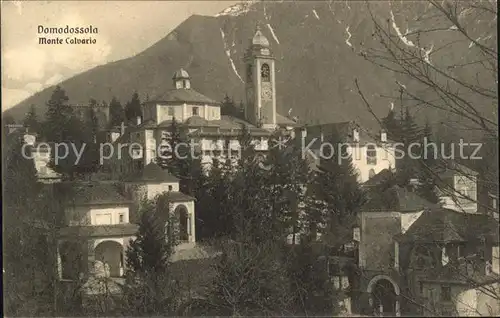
263,158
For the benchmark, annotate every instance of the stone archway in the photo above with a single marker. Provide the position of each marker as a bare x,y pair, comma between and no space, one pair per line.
111,254
182,216
384,296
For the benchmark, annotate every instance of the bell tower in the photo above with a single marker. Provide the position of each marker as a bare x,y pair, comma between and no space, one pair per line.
260,85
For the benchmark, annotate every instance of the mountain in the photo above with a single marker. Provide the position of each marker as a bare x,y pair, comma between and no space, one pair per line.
317,45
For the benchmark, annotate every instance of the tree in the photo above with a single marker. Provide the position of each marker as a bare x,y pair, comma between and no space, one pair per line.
338,195
26,266
31,120
392,125
426,175
177,158
250,280
409,133
150,289
454,79
133,108
8,120
91,120
116,113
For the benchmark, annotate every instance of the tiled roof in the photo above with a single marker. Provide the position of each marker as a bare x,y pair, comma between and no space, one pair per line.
152,173
96,193
395,199
344,130
381,177
445,225
175,196
127,229
183,96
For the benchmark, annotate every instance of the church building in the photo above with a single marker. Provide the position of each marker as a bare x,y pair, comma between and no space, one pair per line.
199,117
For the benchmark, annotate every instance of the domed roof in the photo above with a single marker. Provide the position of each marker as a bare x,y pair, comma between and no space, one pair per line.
180,74
260,39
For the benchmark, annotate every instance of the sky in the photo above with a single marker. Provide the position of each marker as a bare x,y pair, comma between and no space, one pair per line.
125,28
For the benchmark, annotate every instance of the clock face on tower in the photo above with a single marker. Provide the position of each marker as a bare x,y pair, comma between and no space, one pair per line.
267,93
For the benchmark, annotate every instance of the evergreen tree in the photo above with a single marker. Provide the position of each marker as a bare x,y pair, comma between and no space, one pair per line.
26,266
133,108
57,125
427,172
116,113
392,126
8,120
31,120
177,158
149,290
337,188
91,120
409,133
250,280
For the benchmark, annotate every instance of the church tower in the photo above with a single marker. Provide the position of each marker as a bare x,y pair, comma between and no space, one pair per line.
260,85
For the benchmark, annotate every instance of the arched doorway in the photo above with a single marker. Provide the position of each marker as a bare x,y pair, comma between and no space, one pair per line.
110,253
182,216
384,296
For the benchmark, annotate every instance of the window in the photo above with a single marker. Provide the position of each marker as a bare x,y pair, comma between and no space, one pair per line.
195,111
170,111
371,155
421,287
265,73
121,218
170,188
445,293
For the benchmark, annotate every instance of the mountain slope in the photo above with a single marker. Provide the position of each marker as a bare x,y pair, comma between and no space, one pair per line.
316,45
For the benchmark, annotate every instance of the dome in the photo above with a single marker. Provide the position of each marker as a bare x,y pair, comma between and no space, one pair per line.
260,39
181,74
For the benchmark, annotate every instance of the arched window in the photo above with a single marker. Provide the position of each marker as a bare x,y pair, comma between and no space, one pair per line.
265,73
184,226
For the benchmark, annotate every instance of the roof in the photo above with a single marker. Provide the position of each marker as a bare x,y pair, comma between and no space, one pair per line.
174,196
445,225
449,168
397,199
282,120
181,74
152,173
454,273
342,130
127,229
380,178
185,95
96,193
260,39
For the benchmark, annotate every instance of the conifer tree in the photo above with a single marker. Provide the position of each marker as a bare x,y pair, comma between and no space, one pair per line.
91,121
116,113
409,133
31,120
427,172
149,289
133,108
8,120
336,186
392,126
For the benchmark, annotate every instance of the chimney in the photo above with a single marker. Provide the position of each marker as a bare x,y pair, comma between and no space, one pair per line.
355,135
383,136
139,120
122,129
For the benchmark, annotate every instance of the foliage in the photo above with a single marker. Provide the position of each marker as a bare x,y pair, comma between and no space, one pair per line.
337,196
133,108
116,113
250,280
31,120
427,187
149,289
